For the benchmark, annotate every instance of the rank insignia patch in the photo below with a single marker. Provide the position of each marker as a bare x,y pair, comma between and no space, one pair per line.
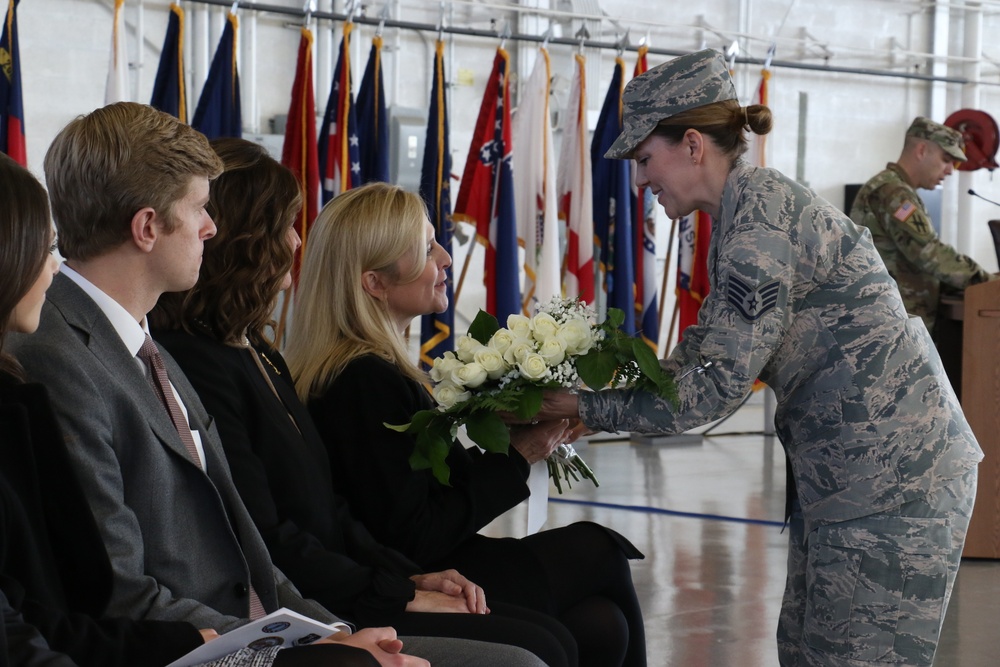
750,302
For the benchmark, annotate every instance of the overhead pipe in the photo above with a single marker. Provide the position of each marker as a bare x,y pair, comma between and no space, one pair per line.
609,46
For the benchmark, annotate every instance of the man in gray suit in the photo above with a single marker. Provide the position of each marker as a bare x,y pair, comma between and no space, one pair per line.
128,186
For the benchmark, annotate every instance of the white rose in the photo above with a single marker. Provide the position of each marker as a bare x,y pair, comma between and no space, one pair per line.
501,340
470,375
553,351
544,327
466,347
491,360
447,394
520,348
533,366
519,325
577,335
443,366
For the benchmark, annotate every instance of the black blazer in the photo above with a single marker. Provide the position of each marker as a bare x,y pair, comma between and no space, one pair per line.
282,472
54,568
406,509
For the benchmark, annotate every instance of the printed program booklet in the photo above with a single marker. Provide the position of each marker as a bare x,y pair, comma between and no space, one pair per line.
281,628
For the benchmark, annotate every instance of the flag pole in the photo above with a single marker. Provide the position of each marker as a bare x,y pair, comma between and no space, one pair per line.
465,267
666,273
673,325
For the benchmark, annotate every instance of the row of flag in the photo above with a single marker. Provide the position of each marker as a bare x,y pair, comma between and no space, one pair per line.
585,229
218,112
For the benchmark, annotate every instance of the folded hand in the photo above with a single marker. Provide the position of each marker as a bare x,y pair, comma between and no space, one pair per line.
381,643
453,584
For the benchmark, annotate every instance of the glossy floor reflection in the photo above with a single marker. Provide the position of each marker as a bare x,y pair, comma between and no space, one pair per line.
707,512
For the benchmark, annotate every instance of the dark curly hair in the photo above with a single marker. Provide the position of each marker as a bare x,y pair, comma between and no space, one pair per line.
253,203
25,238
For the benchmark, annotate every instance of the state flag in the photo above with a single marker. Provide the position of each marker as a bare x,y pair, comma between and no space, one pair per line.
647,316
437,330
612,204
339,149
219,112
537,210
695,233
576,204
299,150
373,120
169,94
11,104
486,195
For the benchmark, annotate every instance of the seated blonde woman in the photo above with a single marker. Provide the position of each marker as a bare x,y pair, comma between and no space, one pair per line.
371,266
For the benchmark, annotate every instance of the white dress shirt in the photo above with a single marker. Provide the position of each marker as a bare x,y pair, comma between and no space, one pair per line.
133,335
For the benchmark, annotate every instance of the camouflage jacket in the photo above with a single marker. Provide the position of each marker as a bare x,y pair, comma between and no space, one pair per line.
800,299
901,230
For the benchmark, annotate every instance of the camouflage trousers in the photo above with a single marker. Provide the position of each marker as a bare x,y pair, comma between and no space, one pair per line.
874,590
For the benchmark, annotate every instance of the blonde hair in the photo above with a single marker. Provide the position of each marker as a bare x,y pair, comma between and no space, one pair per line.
371,228
724,122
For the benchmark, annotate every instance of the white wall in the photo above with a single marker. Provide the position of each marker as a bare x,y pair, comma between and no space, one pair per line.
853,126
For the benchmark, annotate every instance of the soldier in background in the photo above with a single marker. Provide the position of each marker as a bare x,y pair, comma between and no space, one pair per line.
890,207
883,460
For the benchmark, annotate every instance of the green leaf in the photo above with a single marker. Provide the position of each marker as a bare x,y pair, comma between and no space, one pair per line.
438,455
401,428
420,422
419,457
597,367
430,451
487,430
530,403
646,359
483,327
615,318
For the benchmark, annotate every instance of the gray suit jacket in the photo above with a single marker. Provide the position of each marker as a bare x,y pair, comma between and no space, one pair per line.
181,543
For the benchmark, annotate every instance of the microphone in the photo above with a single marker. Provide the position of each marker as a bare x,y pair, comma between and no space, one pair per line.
976,194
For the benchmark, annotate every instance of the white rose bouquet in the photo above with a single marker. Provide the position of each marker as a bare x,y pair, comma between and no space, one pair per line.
494,369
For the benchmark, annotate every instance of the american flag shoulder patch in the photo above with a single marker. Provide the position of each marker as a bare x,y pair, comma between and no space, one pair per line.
906,209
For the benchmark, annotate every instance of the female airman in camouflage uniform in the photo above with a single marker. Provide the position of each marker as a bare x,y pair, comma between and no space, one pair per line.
884,462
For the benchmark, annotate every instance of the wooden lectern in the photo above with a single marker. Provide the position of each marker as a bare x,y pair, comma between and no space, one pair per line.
981,403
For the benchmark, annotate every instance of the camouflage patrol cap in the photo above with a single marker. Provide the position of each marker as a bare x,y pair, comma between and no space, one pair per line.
686,82
950,140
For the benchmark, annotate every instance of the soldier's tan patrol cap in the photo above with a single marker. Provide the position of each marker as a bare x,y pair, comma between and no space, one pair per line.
950,140
686,82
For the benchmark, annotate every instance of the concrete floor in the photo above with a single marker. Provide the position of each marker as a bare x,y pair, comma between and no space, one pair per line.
707,513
